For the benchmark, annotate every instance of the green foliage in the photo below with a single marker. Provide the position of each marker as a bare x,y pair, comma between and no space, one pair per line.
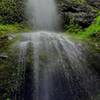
11,11
13,28
93,31
8,99
73,1
73,28
78,1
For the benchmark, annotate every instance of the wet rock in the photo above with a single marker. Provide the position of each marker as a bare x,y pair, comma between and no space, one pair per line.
4,37
11,37
95,62
95,3
82,14
3,56
82,19
7,37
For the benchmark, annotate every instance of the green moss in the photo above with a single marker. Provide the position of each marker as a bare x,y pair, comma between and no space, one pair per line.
94,28
73,28
78,1
43,56
13,28
7,30
92,32
8,99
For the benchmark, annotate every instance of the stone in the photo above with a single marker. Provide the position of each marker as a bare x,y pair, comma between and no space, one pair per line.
82,14
11,37
3,56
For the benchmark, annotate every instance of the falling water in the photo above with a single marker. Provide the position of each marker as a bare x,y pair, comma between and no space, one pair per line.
42,14
55,68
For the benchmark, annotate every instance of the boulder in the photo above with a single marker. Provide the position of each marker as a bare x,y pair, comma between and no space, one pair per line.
11,37
7,37
3,56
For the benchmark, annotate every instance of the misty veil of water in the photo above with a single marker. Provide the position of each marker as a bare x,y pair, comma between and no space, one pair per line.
42,14
55,68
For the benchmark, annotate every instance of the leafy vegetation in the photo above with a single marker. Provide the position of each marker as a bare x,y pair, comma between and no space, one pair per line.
78,1
11,11
93,31
12,21
13,28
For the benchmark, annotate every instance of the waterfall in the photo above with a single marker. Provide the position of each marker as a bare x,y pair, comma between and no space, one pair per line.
42,14
55,68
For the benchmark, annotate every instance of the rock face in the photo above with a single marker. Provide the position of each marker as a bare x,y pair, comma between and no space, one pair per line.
81,13
7,37
95,3
3,56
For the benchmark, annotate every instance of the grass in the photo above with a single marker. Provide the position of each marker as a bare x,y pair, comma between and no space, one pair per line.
92,32
90,35
13,28
7,30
